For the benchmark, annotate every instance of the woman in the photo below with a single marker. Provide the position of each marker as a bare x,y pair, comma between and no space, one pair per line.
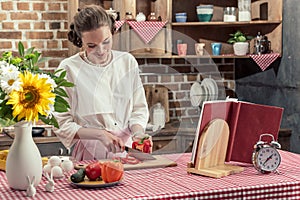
108,104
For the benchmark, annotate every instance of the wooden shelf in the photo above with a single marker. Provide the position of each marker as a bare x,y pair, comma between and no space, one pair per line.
190,56
229,24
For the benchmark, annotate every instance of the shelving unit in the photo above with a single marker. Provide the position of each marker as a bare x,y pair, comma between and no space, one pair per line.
193,31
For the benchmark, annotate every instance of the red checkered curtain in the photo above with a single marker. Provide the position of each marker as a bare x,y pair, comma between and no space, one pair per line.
146,30
265,60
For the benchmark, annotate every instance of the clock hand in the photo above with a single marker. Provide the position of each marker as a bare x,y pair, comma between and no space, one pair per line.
269,158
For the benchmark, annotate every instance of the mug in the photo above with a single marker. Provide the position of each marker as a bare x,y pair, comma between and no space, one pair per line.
199,48
181,49
216,48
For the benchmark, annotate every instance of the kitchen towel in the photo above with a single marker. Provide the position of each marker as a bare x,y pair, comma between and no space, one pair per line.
264,60
118,24
147,30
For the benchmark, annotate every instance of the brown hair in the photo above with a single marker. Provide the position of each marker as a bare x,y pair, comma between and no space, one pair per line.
91,17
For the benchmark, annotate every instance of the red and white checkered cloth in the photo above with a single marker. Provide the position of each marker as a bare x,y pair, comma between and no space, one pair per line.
147,30
118,24
176,183
264,60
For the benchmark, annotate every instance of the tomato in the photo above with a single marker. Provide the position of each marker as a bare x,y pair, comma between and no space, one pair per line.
112,171
93,171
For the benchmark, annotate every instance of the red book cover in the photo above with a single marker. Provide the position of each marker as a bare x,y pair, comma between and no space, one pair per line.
246,121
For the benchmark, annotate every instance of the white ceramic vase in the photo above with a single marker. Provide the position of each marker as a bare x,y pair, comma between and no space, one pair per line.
240,48
24,158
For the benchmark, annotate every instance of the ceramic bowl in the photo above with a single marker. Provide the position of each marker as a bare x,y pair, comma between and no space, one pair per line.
205,12
181,17
38,131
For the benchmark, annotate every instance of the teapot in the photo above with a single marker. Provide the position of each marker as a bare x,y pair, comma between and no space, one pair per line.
261,44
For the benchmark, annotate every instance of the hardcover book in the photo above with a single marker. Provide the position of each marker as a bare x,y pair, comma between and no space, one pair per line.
246,121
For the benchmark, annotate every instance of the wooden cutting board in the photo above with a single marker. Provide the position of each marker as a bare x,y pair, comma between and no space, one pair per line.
155,94
160,162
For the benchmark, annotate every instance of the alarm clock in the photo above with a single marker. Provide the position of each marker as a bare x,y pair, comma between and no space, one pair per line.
266,157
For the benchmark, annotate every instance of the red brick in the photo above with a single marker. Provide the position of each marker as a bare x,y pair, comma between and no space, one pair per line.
3,16
24,25
38,44
54,62
8,25
39,25
178,78
10,34
165,78
54,16
39,6
65,43
54,6
23,6
39,35
192,77
24,43
24,16
65,6
8,5
5,45
53,44
62,34
55,53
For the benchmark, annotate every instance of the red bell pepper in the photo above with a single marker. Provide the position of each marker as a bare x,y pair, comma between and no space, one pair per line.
143,145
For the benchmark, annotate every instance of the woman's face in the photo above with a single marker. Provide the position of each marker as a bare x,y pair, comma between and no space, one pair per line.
98,44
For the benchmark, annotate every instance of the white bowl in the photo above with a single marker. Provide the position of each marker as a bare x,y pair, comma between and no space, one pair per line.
205,9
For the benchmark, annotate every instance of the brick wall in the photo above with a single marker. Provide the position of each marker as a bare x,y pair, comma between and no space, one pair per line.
44,25
41,24
178,75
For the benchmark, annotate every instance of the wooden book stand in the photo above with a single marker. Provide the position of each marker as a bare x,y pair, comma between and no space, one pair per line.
211,152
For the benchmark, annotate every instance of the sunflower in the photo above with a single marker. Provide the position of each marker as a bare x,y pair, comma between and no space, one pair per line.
34,97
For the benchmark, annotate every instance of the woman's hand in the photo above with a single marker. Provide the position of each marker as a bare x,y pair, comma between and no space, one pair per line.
113,143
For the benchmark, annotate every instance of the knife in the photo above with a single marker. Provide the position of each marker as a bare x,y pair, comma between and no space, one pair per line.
138,154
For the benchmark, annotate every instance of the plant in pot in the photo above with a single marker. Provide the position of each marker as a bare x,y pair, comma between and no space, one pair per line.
240,43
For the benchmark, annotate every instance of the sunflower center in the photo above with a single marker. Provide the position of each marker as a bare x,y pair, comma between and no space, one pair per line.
10,82
31,97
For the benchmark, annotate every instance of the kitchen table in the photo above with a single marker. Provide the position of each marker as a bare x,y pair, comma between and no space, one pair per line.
176,183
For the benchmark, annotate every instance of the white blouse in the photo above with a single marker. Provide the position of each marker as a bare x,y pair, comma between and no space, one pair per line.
110,98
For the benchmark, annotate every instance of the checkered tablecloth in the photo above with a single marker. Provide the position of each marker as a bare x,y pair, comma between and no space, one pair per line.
146,30
264,60
175,183
118,24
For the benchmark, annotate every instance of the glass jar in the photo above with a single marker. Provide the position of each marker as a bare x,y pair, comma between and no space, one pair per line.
129,16
158,115
244,10
229,14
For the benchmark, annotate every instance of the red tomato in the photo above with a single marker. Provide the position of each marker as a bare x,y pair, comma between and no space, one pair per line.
93,171
112,171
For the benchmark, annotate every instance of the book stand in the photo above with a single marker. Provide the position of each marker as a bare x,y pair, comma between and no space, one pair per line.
211,152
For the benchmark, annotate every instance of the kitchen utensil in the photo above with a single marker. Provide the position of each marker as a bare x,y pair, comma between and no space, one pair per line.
261,44
139,155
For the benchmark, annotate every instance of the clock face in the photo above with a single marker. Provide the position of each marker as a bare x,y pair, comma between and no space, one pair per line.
268,159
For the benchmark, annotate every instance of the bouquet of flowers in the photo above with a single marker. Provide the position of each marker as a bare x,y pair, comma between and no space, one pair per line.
26,92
